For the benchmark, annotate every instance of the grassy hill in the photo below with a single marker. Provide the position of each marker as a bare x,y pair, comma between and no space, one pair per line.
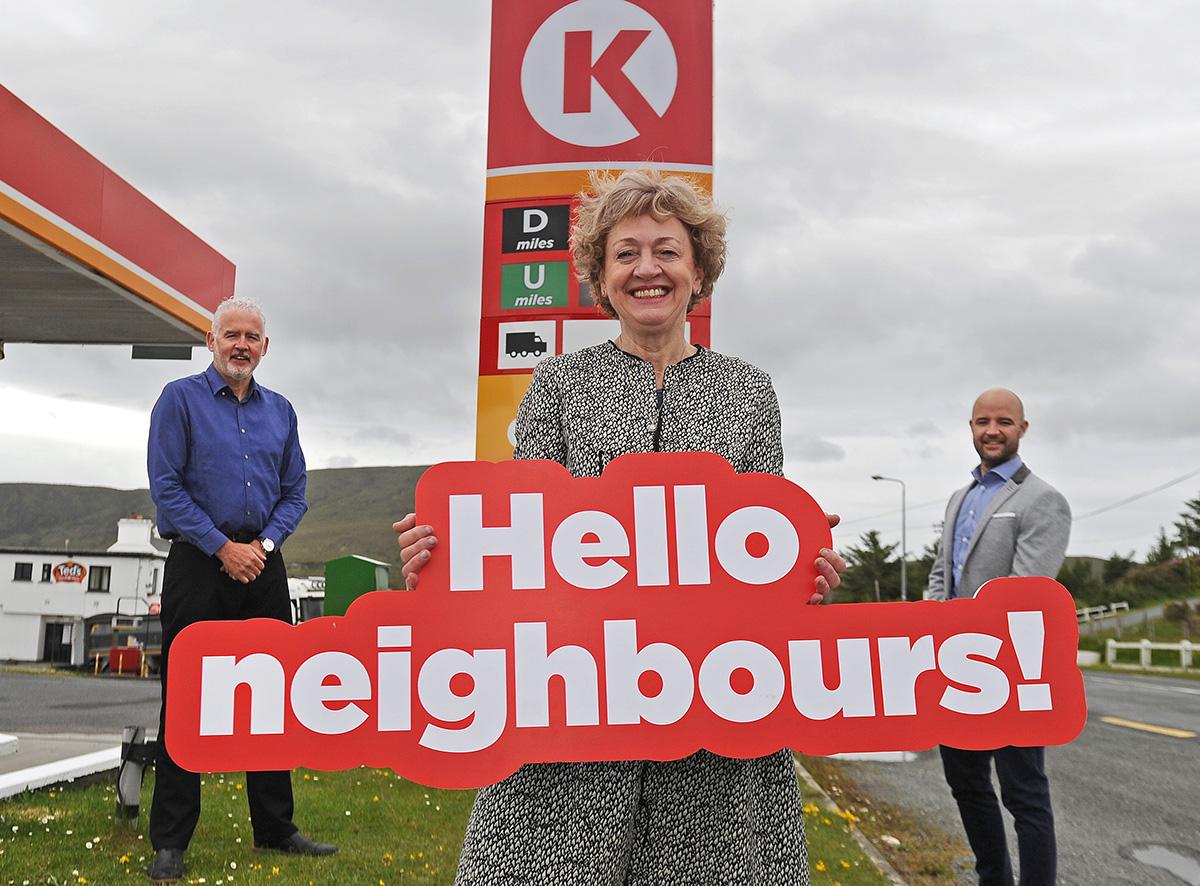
350,511
1095,565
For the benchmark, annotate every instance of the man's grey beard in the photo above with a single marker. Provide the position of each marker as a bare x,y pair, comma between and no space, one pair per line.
238,374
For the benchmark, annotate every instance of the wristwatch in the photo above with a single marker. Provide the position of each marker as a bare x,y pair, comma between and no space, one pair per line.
268,546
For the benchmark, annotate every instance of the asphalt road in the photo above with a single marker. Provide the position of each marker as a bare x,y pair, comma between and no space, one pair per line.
76,705
1120,794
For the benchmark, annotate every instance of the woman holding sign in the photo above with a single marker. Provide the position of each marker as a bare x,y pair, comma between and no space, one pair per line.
651,247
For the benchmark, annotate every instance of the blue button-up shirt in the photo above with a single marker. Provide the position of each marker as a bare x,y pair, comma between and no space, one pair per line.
973,505
221,469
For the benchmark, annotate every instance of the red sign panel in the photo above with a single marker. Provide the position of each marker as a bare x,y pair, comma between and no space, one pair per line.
598,81
54,172
645,614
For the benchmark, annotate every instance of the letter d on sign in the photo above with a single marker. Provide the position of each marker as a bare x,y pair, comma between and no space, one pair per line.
534,220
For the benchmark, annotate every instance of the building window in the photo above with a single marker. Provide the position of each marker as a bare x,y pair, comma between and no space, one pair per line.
98,578
46,569
23,572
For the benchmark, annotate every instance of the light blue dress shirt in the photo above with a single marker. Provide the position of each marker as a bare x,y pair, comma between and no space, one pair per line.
973,505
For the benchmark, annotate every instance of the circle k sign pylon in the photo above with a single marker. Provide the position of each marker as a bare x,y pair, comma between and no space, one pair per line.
599,72
576,86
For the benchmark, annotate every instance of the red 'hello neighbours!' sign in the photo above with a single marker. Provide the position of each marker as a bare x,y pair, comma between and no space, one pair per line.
644,614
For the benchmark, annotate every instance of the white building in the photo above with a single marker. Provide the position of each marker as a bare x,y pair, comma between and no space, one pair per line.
308,597
45,595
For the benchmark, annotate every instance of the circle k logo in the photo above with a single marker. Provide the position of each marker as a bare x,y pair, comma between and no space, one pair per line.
599,72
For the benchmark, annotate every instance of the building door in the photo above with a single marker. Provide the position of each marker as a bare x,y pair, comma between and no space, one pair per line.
57,646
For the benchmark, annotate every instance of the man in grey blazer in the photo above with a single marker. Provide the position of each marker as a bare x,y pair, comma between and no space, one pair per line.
1005,522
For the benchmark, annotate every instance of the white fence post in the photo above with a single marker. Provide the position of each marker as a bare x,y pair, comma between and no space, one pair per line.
1145,649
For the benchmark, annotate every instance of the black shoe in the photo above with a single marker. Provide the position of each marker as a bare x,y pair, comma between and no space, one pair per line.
167,866
298,844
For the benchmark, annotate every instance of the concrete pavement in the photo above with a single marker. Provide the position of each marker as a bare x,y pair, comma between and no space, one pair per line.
42,760
56,728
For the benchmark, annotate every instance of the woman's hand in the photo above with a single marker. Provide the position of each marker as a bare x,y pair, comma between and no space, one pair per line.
416,547
829,566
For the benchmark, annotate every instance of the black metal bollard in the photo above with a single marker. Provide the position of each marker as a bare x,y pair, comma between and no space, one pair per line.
135,754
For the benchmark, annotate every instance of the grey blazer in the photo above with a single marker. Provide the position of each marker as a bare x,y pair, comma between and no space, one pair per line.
1023,531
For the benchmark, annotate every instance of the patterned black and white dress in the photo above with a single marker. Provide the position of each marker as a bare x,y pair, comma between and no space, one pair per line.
701,820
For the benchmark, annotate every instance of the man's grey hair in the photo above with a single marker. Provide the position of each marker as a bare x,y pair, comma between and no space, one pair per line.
238,303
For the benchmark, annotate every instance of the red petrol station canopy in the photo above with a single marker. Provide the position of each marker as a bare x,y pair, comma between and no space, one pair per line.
85,258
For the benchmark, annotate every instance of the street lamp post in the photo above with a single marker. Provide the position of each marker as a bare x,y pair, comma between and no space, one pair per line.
903,535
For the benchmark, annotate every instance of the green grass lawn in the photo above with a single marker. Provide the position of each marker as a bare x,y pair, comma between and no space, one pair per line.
1095,635
834,857
389,831
921,852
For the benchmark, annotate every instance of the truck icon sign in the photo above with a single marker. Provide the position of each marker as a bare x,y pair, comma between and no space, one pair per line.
524,343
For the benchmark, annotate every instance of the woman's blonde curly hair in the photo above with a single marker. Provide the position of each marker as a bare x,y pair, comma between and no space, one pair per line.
613,198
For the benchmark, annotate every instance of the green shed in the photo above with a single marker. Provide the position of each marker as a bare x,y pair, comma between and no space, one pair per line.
348,578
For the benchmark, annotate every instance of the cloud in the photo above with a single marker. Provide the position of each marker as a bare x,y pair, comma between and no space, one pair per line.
384,434
924,428
925,202
1151,258
813,449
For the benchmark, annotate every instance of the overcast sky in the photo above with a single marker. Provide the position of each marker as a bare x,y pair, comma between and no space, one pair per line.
927,199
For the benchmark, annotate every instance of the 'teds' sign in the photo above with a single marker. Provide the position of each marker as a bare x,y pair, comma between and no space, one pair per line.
645,614
69,571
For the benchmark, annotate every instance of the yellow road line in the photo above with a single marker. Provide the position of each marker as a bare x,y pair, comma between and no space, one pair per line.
1148,727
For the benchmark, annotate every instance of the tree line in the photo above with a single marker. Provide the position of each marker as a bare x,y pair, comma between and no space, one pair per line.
1170,569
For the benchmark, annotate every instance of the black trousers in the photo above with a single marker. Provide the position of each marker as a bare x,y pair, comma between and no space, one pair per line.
195,589
1025,791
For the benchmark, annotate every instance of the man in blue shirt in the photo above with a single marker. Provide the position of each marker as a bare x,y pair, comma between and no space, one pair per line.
227,476
1005,522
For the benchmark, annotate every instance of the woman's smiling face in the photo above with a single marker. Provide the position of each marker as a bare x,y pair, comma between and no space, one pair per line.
649,274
